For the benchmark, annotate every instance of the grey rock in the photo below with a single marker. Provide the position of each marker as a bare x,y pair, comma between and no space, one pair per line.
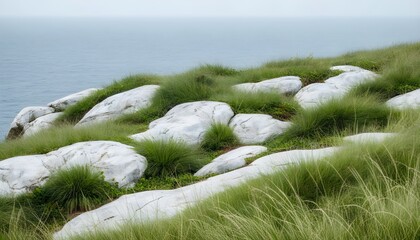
410,100
282,85
67,101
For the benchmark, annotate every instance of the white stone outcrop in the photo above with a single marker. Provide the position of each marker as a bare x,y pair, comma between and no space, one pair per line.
187,122
40,123
161,204
256,128
231,160
408,100
69,100
119,104
375,137
24,117
335,87
118,162
282,85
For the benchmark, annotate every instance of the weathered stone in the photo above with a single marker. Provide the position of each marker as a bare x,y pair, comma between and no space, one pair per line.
24,117
119,104
162,204
187,122
350,79
67,101
40,123
256,128
282,85
231,160
369,137
405,101
118,162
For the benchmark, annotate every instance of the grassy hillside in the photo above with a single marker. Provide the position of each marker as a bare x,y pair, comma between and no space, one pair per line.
366,191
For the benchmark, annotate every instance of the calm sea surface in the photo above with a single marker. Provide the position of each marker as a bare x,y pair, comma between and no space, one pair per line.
44,59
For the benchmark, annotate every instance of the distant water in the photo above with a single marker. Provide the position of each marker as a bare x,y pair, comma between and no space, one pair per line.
44,59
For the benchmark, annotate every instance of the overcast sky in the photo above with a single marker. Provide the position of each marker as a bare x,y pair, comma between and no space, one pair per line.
210,8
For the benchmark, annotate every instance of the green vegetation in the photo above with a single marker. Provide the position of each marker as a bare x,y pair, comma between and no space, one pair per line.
219,136
76,189
169,158
365,191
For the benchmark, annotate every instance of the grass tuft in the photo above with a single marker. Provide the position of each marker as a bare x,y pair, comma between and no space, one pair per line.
219,136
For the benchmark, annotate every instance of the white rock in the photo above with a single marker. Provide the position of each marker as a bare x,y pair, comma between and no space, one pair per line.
231,160
316,94
65,102
282,85
161,204
405,101
118,162
26,116
256,128
40,123
187,122
119,104
282,159
335,87
369,137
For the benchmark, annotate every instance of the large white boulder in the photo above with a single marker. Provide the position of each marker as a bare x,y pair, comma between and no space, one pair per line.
119,163
161,204
40,123
231,160
282,85
405,101
119,104
187,122
374,137
24,117
67,101
256,128
335,87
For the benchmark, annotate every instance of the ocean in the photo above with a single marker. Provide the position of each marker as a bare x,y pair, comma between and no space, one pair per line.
43,59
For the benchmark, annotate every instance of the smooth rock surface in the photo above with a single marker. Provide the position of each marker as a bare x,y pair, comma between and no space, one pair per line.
187,122
118,162
282,85
335,87
40,123
119,104
24,117
405,101
375,137
161,204
65,102
231,160
256,128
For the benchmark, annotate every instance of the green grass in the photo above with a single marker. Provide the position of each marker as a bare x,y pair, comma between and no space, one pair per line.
76,112
280,107
219,136
169,158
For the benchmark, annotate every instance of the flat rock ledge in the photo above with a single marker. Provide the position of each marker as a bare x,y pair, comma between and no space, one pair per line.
282,85
375,137
335,87
161,204
231,160
187,122
256,128
120,104
40,123
69,100
408,100
118,162
24,117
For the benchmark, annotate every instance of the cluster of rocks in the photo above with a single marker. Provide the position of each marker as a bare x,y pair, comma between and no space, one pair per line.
187,122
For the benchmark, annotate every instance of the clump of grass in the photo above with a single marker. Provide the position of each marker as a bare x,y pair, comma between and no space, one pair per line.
169,158
219,136
402,77
338,115
76,189
280,107
76,112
